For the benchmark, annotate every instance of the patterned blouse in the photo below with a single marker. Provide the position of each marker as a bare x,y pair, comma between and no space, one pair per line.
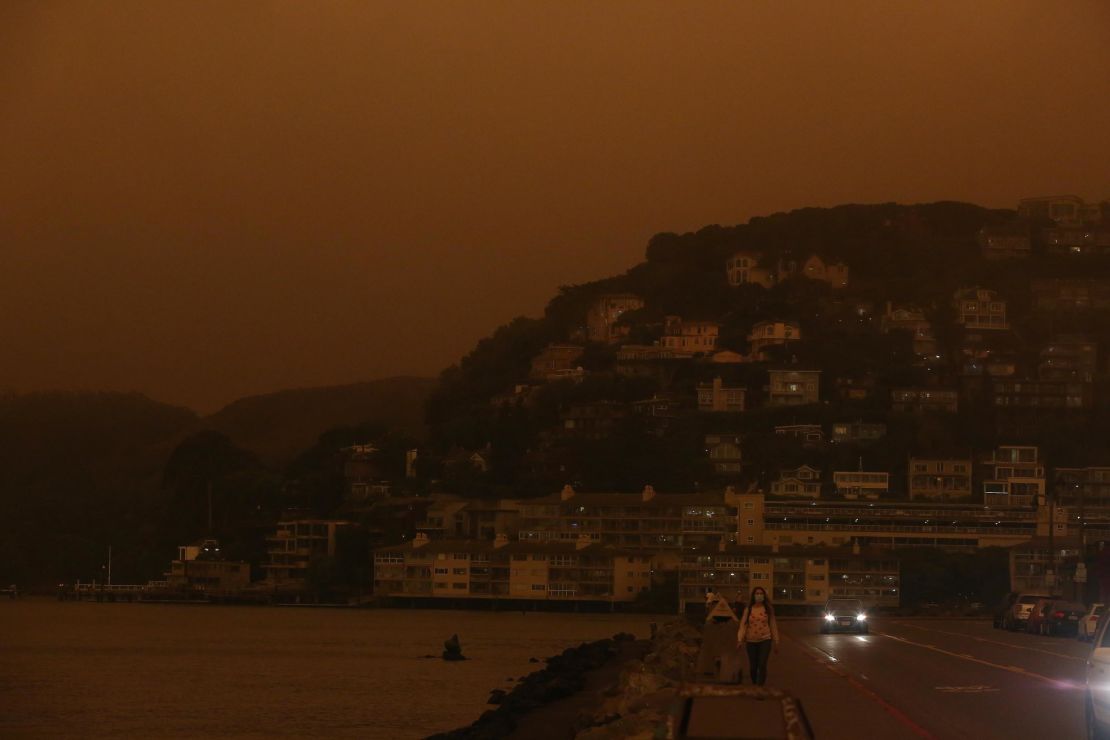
759,628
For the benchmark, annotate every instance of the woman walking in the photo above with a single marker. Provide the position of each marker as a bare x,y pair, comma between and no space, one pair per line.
759,632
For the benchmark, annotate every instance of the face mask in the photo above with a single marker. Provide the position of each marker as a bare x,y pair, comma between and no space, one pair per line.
759,598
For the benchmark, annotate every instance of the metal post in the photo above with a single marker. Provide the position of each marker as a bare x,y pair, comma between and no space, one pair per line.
109,565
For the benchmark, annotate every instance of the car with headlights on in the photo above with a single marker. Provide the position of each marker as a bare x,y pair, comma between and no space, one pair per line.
844,615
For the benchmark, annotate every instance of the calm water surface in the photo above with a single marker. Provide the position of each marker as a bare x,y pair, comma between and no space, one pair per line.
144,670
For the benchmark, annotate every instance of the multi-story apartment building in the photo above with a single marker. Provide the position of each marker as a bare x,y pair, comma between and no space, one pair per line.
766,334
502,569
295,543
800,482
861,484
743,268
795,576
650,521
603,315
979,308
924,400
685,338
555,361
939,479
1013,475
717,397
1085,490
725,452
793,387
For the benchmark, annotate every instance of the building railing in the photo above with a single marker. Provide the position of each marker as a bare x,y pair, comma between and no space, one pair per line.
924,529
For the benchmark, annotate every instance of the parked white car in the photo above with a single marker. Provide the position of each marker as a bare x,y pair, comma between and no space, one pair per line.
1088,625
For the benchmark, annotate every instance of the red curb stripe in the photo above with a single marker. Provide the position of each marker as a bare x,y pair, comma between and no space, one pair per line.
889,708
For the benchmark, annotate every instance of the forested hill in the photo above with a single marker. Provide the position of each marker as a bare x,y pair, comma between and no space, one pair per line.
278,426
909,255
81,471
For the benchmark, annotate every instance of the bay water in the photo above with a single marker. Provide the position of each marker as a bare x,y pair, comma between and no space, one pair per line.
153,670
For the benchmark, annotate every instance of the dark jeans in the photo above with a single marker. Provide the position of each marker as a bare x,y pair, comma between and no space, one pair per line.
758,653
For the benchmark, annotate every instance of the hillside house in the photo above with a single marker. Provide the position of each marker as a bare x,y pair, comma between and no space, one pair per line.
800,482
771,333
717,397
603,315
939,479
555,361
743,268
793,387
724,452
690,337
980,308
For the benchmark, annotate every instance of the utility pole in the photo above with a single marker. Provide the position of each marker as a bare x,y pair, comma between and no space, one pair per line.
209,507
109,565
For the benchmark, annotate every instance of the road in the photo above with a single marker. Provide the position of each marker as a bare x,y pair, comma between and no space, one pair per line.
929,678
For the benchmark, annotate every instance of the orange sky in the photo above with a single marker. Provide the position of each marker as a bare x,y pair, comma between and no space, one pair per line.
205,200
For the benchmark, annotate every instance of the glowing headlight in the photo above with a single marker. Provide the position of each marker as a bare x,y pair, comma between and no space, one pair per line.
830,618
861,617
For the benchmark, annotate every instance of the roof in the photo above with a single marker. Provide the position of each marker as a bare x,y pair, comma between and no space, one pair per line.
807,551
702,498
513,546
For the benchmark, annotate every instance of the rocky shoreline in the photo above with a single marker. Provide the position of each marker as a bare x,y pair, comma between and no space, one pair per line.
602,690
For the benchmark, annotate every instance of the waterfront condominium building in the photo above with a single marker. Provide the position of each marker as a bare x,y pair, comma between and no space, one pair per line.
797,576
891,524
293,546
1013,475
502,569
648,521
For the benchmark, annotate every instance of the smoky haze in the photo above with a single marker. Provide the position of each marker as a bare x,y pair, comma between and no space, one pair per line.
205,200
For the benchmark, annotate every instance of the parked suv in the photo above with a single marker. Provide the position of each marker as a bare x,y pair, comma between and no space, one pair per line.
844,615
1018,614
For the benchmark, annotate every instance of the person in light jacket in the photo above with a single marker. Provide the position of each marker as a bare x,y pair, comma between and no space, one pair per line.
759,632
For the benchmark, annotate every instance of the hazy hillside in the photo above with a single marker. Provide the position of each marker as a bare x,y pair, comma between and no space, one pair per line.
80,471
277,426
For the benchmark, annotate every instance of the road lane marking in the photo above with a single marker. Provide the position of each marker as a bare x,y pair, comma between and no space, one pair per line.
993,642
1012,669
889,708
980,689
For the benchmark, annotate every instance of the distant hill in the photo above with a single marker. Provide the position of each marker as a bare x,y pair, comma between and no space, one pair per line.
277,426
80,471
